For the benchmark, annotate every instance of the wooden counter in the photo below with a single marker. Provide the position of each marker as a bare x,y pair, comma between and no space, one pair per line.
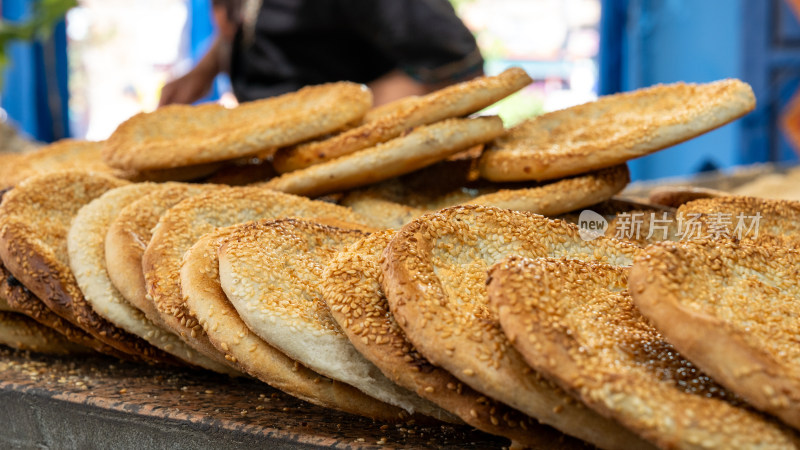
99,402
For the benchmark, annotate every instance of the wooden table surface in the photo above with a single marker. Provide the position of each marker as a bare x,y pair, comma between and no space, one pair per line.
99,402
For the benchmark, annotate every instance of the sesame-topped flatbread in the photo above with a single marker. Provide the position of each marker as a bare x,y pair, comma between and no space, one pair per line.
749,219
189,220
182,135
206,301
128,236
35,217
644,226
731,309
390,108
271,271
23,333
4,306
64,155
675,196
421,147
86,246
614,129
243,172
434,278
352,291
20,300
458,100
574,322
398,203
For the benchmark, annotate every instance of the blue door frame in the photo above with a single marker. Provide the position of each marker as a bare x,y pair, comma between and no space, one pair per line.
644,42
35,90
35,93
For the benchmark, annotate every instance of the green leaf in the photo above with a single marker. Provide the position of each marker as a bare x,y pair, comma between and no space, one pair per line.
39,26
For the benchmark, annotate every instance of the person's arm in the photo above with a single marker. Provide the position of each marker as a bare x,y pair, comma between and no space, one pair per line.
197,82
430,45
398,84
395,85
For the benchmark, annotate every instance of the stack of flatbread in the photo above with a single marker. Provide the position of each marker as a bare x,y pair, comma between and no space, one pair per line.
431,280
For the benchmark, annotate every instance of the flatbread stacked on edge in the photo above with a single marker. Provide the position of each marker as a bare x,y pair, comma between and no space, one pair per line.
575,322
86,246
421,147
188,221
86,156
398,205
271,272
352,291
127,239
23,333
243,172
206,301
435,271
613,129
732,310
67,154
748,219
20,332
458,100
644,226
181,135
20,300
34,219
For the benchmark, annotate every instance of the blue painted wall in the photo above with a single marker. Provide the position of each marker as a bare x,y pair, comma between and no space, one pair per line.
34,83
666,41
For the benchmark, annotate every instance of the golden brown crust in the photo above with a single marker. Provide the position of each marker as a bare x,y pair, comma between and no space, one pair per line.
271,271
390,108
458,100
675,196
772,221
560,196
435,270
63,155
729,308
415,188
127,239
181,135
22,333
186,222
386,213
86,246
207,302
34,219
581,138
7,160
22,301
644,226
619,366
396,204
4,306
353,294
399,200
242,173
186,173
364,136
421,147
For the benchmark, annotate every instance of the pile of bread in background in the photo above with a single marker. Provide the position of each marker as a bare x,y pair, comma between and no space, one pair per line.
418,261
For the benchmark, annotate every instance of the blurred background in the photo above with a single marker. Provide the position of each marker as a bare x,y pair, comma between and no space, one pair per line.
108,59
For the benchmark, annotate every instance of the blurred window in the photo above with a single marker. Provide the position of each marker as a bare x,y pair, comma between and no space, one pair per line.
555,41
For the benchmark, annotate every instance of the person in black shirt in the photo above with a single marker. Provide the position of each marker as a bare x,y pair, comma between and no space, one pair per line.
396,47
